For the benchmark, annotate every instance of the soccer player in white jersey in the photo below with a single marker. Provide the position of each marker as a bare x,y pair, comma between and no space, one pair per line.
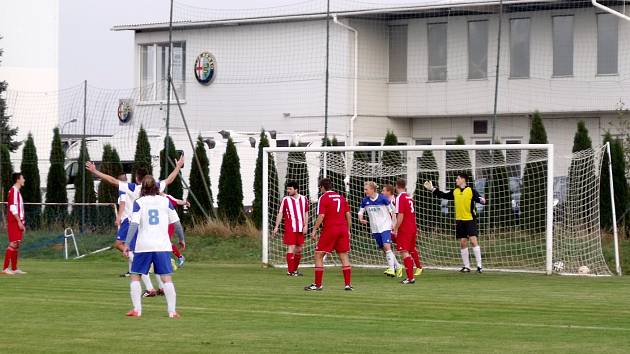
132,192
294,210
152,214
379,209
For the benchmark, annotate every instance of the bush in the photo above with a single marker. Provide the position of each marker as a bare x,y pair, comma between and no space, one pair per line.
31,192
230,197
198,182
56,183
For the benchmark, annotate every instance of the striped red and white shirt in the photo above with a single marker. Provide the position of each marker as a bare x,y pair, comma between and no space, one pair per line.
15,204
294,209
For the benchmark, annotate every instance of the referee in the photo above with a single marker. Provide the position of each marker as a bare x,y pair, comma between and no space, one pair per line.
465,198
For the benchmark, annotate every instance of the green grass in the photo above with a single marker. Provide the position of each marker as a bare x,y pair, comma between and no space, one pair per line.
79,306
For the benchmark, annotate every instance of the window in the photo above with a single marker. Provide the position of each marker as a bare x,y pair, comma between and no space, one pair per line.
437,51
562,45
480,127
398,53
519,47
426,141
477,49
607,44
154,70
367,156
282,143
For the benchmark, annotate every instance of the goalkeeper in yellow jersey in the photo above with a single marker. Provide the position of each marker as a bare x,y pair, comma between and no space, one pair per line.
464,198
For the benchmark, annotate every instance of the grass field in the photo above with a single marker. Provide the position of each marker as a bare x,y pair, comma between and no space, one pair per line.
79,307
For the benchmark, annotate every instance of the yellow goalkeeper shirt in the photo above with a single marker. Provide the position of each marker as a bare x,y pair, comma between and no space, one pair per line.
464,199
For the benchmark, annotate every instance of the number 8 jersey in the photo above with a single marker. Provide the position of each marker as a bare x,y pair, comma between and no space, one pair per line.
153,214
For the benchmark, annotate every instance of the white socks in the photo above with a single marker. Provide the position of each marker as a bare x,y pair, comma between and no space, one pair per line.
130,260
391,259
465,257
171,297
159,281
135,290
477,251
147,282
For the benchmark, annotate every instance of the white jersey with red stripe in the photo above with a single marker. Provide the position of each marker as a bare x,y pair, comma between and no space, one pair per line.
16,204
294,210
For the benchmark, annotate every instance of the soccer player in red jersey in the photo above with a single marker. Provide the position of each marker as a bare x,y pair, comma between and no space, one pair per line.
388,191
405,228
294,210
15,225
333,212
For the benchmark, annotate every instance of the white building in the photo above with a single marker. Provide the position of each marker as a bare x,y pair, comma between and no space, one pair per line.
427,72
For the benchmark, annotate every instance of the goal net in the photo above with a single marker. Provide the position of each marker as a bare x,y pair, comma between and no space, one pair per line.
541,215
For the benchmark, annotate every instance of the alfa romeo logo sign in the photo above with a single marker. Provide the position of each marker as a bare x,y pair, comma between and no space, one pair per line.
205,68
124,110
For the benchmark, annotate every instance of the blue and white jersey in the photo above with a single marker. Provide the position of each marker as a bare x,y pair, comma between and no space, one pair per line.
379,211
153,214
122,197
132,190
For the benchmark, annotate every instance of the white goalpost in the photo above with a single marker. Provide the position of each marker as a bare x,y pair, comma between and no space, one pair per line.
542,214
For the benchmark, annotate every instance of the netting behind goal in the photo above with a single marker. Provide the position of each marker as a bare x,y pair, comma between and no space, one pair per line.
515,227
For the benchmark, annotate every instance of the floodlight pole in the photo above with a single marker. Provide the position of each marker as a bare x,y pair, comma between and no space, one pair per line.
327,69
169,78
496,78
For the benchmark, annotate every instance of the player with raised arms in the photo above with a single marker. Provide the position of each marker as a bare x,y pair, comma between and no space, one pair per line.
464,198
379,209
132,192
152,213
171,229
15,225
405,229
294,210
333,212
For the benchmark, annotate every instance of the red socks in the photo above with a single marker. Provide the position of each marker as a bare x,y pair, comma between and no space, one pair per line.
10,256
347,274
296,261
176,251
416,258
290,262
408,261
319,275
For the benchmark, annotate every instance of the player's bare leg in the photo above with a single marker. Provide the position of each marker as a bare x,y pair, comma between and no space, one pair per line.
171,296
135,291
319,272
408,262
463,249
346,268
477,252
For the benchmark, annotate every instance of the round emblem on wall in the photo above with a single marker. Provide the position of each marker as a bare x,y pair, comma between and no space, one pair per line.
205,68
124,110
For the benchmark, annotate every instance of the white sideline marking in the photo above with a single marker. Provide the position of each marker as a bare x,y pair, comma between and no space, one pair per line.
360,318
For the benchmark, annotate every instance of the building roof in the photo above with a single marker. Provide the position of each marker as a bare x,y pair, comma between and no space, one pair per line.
192,17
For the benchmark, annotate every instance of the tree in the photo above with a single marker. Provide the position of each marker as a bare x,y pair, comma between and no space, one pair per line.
581,175
619,183
392,161
202,204
84,192
533,202
142,157
428,209
56,183
110,165
175,189
230,197
31,192
257,204
499,211
7,134
6,170
297,170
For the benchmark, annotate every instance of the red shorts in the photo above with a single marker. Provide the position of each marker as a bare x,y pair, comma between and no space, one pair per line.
406,240
293,238
15,234
335,238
